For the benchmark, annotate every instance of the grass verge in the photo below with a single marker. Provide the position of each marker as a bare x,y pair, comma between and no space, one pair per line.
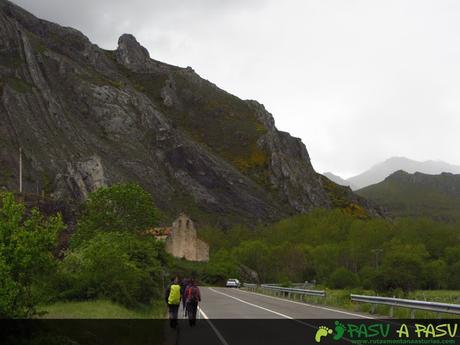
101,309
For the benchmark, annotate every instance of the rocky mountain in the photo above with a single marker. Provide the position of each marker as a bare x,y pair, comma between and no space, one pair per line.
382,170
404,194
87,117
339,180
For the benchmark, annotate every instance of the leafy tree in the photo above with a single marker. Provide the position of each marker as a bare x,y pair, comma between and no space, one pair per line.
119,208
326,260
27,241
342,278
435,236
435,274
454,277
290,263
257,256
452,254
367,276
403,266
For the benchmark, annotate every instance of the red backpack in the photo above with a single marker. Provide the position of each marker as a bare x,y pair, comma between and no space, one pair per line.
192,294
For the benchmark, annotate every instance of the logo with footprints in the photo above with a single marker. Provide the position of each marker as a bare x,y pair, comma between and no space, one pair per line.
323,331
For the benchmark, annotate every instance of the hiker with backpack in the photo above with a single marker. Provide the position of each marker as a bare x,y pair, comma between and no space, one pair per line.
173,297
183,287
193,297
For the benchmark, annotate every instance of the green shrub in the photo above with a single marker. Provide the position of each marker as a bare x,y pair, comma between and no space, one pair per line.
27,241
342,278
123,267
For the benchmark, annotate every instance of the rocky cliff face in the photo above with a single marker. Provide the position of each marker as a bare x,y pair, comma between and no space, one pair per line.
86,117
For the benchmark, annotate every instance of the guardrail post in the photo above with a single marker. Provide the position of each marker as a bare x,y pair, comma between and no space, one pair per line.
372,308
391,311
412,313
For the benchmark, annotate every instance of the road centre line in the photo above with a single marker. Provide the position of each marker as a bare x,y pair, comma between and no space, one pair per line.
253,305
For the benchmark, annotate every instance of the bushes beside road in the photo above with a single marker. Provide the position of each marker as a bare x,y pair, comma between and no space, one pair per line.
109,257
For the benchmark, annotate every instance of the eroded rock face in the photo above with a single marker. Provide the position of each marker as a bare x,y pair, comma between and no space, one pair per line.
131,54
86,117
289,166
82,178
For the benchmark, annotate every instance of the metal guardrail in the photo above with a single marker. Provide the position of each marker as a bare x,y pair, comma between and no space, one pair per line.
285,290
293,291
407,303
250,287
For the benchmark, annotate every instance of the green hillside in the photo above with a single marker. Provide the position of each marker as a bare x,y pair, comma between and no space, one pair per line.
403,194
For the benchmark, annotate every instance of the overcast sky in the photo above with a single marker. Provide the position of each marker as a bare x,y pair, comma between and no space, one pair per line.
358,80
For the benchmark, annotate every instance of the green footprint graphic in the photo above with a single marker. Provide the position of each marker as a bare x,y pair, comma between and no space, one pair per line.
322,332
339,330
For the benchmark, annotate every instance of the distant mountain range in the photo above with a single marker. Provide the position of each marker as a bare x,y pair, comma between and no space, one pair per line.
404,194
380,171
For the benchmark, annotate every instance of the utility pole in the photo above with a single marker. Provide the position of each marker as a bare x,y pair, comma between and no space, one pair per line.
377,252
20,169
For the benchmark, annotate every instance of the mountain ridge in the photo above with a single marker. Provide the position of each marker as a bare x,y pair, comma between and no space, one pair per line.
86,117
418,194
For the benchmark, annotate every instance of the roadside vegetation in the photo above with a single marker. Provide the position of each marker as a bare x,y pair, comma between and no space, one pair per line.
339,250
100,309
111,268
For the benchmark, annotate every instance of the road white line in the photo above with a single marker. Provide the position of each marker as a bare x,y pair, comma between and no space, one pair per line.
219,335
309,305
253,305
266,309
269,310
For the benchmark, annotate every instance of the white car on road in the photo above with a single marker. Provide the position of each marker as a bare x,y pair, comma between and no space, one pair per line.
233,283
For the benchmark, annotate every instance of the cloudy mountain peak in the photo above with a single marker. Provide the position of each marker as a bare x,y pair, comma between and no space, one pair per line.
380,171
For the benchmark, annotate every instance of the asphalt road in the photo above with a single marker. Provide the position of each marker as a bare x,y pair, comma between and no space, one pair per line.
234,316
224,303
